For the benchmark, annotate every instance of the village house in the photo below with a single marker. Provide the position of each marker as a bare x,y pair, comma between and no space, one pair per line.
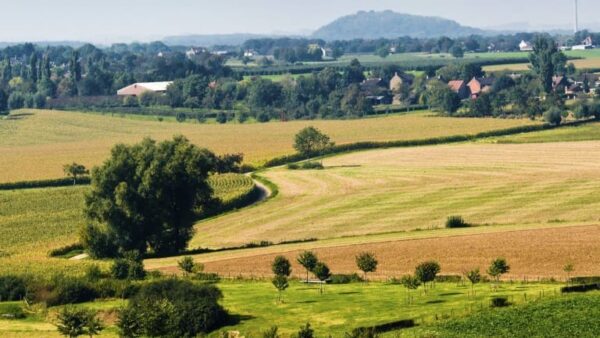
525,46
375,91
137,89
397,84
480,85
460,88
588,43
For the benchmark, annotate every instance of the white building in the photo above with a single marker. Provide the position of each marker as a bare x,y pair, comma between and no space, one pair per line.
525,46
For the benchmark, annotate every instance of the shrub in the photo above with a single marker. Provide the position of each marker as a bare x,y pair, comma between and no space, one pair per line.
426,272
271,333
305,166
174,308
128,268
586,280
553,116
12,288
345,279
73,322
66,251
500,302
305,332
181,117
221,118
12,311
580,288
456,222
69,290
93,273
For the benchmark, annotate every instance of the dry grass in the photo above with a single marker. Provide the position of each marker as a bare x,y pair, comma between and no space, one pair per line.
397,190
531,253
37,145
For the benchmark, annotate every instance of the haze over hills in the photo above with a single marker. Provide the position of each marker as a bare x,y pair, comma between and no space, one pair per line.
389,24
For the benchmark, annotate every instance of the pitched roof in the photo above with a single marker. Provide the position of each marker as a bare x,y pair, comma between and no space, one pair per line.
455,85
155,86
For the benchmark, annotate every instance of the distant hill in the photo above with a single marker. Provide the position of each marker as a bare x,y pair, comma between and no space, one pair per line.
212,39
389,24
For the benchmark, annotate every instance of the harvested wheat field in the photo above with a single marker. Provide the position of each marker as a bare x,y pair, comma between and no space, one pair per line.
396,190
35,144
530,253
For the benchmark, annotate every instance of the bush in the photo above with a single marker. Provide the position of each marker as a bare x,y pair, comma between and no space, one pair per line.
11,311
173,308
456,222
221,118
553,116
69,290
305,166
127,268
12,288
500,302
66,251
580,288
586,280
345,279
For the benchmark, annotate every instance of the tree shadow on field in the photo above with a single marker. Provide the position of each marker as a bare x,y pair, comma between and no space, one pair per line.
307,302
436,301
349,293
451,294
18,116
236,319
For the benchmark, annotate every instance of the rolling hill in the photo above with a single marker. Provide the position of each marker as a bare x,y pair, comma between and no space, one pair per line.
389,24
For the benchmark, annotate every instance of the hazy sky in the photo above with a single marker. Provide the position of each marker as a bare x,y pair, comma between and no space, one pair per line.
124,20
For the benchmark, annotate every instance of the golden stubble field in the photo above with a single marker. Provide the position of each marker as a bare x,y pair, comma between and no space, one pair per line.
532,254
395,190
39,142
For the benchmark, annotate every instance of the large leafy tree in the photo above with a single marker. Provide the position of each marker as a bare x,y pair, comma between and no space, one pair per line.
146,196
547,60
311,141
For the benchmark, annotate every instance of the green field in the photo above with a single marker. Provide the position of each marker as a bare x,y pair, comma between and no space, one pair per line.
340,309
35,221
571,316
587,132
37,143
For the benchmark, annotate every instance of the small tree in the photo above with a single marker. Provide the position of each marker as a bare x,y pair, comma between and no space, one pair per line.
553,116
311,141
73,322
281,284
474,276
187,265
427,271
366,262
305,332
322,272
498,267
271,333
568,269
281,266
410,283
308,260
75,170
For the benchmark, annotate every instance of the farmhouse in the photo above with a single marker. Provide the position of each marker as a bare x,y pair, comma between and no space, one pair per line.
137,89
525,46
480,85
460,88
588,43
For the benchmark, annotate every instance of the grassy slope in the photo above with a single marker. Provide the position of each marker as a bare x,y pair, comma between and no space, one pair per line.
337,311
587,132
34,221
37,146
405,189
571,316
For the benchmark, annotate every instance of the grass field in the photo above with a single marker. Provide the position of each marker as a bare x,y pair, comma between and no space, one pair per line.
38,143
335,312
590,59
587,132
572,316
34,221
406,189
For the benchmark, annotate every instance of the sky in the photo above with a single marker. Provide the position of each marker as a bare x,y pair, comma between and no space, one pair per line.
105,21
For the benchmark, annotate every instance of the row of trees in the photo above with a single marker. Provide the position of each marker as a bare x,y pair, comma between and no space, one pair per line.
425,273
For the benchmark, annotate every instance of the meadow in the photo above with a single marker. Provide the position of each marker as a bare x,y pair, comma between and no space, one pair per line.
335,312
527,199
35,144
586,132
35,221
588,59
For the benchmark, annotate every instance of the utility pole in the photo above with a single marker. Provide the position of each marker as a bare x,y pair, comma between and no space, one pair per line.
576,16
